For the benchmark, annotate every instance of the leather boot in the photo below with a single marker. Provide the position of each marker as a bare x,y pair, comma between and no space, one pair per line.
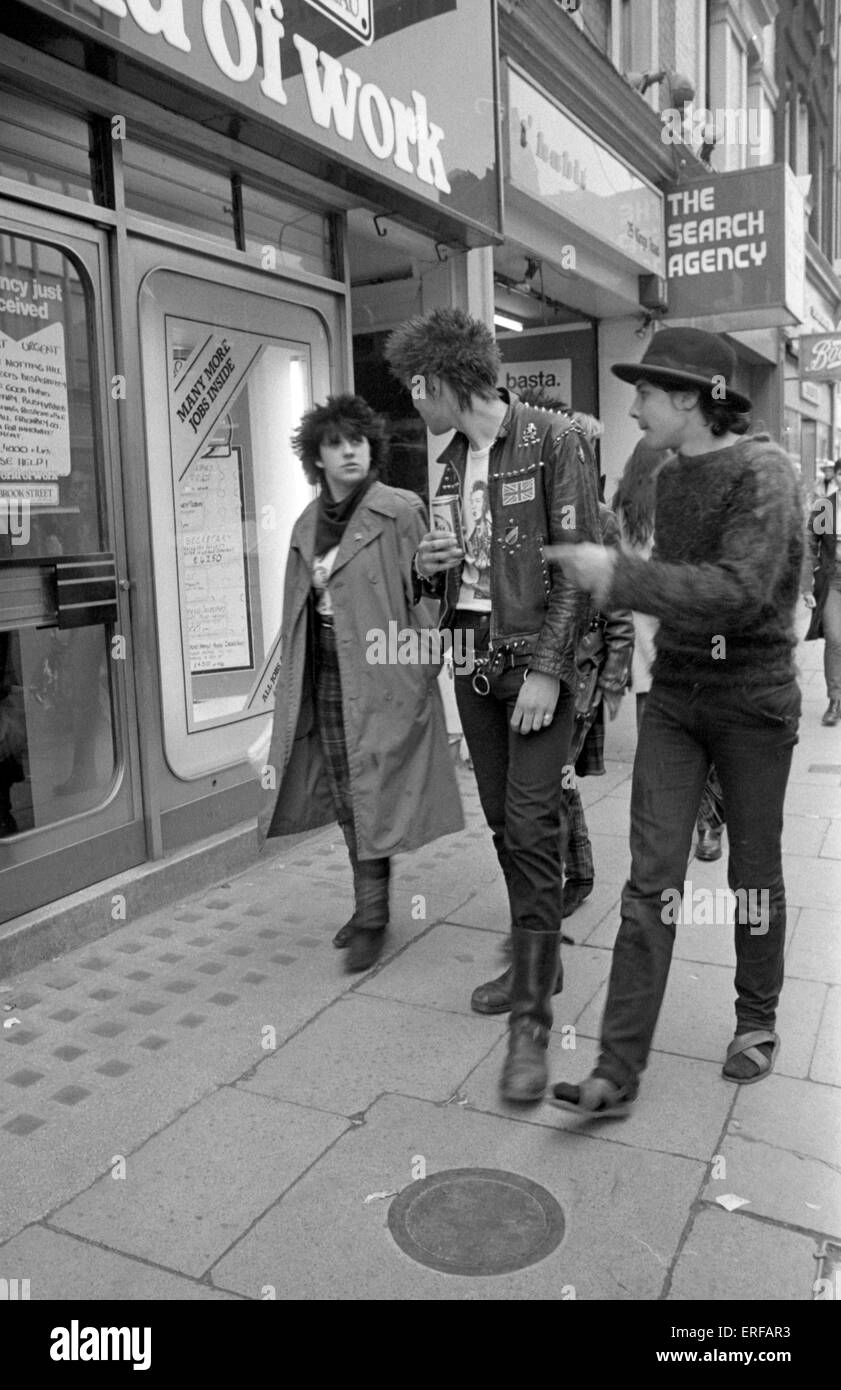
494,996
371,885
524,1072
833,713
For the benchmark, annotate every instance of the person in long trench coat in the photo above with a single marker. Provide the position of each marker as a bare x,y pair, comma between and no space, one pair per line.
400,786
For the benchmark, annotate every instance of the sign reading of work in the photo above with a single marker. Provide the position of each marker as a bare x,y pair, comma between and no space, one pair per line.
34,417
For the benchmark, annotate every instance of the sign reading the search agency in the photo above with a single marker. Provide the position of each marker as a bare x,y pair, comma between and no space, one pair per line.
734,249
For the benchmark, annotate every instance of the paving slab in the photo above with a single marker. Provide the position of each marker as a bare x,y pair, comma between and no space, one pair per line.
362,1046
625,1211
782,1153
62,1268
444,968
698,1019
611,814
815,949
617,778
815,802
729,1256
826,1059
487,907
191,1190
804,835
831,846
661,1118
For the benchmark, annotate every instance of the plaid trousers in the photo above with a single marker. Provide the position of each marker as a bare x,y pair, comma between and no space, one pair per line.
370,876
578,852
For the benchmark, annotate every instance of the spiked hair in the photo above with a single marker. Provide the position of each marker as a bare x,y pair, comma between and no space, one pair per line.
447,343
341,417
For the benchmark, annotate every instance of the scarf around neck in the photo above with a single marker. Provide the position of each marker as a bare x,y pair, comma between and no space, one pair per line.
334,516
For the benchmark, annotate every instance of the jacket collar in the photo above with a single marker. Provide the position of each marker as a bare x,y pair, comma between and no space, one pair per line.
363,525
457,448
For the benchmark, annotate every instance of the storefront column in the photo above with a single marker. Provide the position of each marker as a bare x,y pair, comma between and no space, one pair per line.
465,281
618,342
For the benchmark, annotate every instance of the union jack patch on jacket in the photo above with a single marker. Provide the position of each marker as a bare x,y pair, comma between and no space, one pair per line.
521,491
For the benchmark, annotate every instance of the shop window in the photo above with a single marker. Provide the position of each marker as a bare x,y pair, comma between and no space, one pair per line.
44,147
165,189
225,385
284,236
57,749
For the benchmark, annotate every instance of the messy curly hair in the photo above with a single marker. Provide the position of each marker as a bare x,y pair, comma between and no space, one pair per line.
341,417
450,344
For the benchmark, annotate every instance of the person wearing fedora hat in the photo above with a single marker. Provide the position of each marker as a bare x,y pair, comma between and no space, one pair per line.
723,581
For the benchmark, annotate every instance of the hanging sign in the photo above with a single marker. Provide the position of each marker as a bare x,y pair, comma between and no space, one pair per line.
735,249
820,357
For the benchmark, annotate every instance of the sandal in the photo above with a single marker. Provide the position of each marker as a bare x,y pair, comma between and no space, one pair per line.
748,1045
595,1099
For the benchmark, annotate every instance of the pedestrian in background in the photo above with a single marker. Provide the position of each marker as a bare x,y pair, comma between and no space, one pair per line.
825,599
361,743
614,630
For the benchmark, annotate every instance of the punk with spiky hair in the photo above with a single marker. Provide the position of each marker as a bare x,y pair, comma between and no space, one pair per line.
340,417
536,472
449,344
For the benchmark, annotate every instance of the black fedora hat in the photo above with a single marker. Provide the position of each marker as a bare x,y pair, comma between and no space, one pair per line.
686,358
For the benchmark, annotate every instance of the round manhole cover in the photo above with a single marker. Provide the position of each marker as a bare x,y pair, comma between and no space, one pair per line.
476,1221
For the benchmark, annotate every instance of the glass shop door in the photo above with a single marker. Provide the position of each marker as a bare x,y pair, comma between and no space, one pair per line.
230,360
67,794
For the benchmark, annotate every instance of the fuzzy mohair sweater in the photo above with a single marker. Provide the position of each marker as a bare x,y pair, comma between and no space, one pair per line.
724,576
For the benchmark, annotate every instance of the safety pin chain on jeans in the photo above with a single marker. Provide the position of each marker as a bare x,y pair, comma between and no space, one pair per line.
491,665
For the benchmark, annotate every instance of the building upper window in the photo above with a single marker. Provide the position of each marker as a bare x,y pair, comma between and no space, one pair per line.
166,189
284,236
44,147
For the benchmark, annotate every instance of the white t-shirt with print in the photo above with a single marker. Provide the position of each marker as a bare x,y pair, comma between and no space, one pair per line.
475,591
322,567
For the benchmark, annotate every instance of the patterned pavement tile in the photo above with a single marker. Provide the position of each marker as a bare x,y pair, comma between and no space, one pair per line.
70,1095
25,1077
23,1124
113,1068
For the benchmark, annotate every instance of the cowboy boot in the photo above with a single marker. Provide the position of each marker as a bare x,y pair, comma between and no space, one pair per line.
524,1072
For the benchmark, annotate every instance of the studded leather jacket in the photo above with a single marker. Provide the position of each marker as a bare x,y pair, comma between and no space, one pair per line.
542,490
